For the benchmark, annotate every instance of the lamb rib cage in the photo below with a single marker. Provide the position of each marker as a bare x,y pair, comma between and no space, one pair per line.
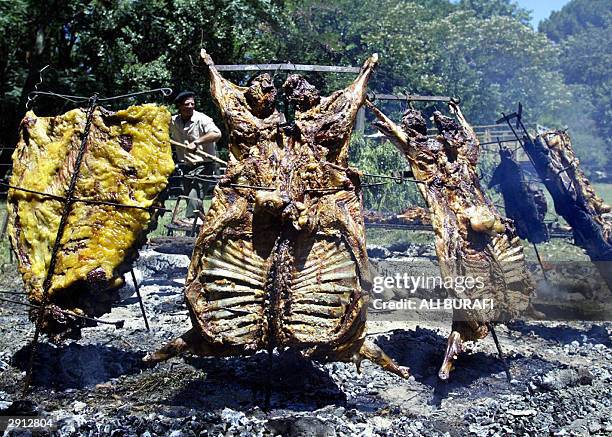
472,238
284,266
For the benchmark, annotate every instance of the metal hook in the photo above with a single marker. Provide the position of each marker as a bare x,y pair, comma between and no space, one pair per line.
193,64
32,96
408,101
275,71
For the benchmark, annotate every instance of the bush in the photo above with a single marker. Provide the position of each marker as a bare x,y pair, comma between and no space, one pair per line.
376,156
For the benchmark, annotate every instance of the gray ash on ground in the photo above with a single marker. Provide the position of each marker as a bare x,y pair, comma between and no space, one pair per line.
99,386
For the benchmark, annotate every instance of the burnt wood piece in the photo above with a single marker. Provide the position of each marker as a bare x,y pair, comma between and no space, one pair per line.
524,201
472,238
283,264
574,197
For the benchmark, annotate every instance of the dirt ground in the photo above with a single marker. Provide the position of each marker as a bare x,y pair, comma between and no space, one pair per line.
98,386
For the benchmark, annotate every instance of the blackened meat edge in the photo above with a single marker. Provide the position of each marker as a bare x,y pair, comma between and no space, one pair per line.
574,197
524,201
472,238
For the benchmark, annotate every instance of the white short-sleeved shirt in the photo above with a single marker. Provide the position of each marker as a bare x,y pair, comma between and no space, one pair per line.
199,124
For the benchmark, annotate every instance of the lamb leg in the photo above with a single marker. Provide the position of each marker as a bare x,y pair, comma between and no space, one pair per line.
453,348
191,341
375,354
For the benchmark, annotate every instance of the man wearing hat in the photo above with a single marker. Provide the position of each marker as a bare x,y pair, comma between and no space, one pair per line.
198,133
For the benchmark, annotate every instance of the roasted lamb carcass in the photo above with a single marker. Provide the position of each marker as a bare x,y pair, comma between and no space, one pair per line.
472,238
574,197
524,201
281,258
127,161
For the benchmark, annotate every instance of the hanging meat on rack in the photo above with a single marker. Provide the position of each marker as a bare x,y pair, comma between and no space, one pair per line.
281,259
472,238
574,197
524,201
127,161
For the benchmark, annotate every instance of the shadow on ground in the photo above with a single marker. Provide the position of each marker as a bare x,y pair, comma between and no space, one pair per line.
77,366
563,334
476,375
286,381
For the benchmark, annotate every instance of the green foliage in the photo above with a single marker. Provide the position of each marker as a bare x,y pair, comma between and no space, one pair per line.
382,158
492,8
583,31
492,63
579,118
574,17
481,51
112,48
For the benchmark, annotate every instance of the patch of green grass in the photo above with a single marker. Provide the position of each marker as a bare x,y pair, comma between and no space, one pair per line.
163,220
386,237
170,204
553,251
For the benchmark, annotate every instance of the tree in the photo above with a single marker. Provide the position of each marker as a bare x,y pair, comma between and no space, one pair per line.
574,17
583,31
111,48
493,63
496,8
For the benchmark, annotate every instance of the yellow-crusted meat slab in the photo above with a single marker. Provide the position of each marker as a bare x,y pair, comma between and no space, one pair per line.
127,161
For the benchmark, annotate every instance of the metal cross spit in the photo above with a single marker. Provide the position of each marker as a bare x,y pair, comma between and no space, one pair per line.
68,202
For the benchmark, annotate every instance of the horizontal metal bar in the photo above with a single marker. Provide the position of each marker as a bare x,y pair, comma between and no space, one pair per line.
412,227
501,141
383,176
288,67
118,324
412,97
253,187
487,126
89,201
324,190
507,118
77,99
498,132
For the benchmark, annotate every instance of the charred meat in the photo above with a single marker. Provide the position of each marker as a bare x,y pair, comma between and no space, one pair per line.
574,197
524,201
281,259
472,238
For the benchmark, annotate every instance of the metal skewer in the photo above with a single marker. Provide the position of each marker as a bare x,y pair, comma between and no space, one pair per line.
208,155
118,324
499,351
